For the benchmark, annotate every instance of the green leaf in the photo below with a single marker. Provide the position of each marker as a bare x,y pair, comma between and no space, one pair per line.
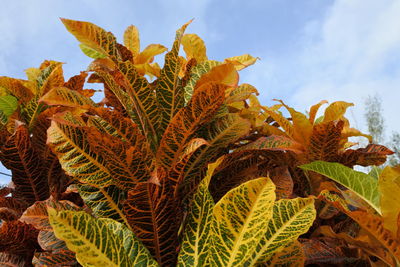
8,104
169,89
99,242
90,52
240,221
290,219
362,184
105,202
195,75
194,249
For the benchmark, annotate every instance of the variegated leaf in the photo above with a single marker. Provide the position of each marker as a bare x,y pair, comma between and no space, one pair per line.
131,39
93,37
240,221
63,96
170,94
194,248
290,219
105,202
155,217
195,74
99,242
205,102
19,155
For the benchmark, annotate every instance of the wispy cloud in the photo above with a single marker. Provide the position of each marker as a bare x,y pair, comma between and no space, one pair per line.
351,53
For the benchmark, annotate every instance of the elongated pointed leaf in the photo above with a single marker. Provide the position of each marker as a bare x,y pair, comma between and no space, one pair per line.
37,215
20,157
131,39
70,144
143,100
314,109
169,90
273,142
148,54
336,110
155,216
195,74
99,242
205,102
62,96
240,221
194,249
219,134
242,61
241,93
362,184
105,202
92,36
55,258
390,197
290,219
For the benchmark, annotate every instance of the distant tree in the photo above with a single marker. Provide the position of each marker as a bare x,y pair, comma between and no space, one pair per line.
374,118
376,128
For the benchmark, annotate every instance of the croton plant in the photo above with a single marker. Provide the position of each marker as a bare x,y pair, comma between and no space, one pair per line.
181,165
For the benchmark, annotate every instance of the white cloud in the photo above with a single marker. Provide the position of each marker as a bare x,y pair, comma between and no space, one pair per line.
353,52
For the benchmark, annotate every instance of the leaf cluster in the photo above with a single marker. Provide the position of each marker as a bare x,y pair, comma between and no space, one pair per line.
181,165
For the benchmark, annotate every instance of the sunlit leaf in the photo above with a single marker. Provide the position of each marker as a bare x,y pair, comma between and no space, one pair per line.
62,96
148,54
194,249
205,102
90,52
240,221
170,94
99,242
131,39
362,184
92,37
242,61
290,219
273,142
314,109
195,74
336,110
390,197
194,47
241,93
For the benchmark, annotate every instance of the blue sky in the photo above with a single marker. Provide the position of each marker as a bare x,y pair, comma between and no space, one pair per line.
310,50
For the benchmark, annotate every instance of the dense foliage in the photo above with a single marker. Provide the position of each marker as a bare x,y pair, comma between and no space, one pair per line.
181,165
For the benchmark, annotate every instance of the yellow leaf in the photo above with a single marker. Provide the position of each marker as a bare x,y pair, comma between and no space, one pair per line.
242,61
390,197
99,242
314,109
148,54
224,74
93,36
131,39
336,110
240,221
194,47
